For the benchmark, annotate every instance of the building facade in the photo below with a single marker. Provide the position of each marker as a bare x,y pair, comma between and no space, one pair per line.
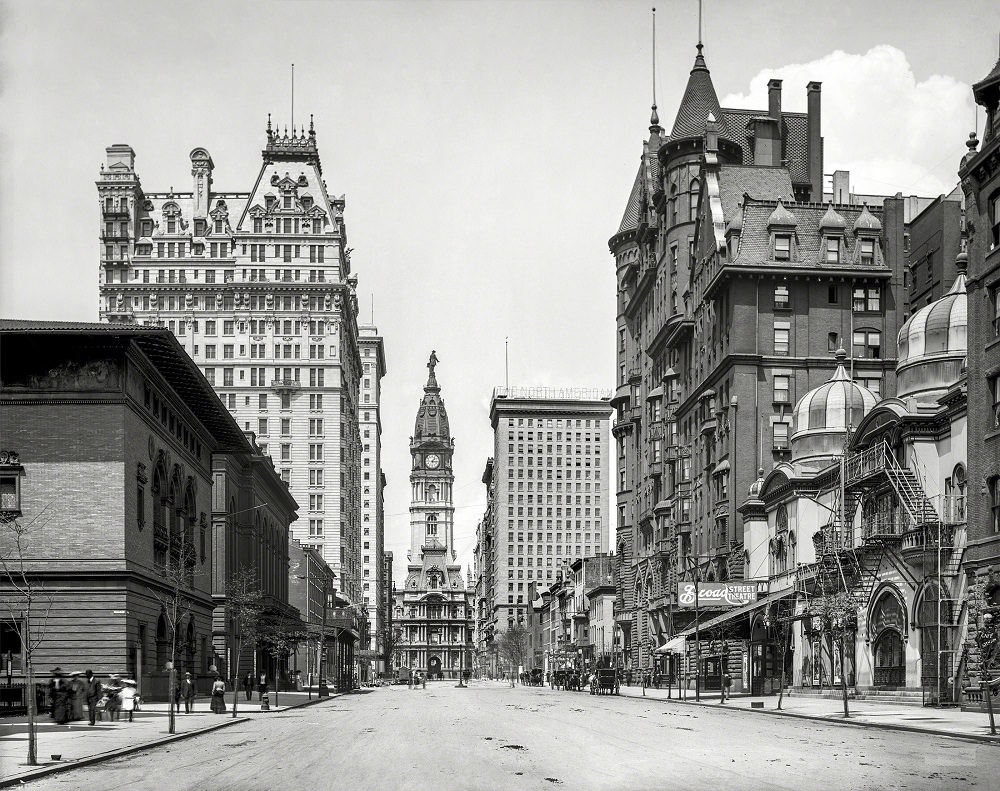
386,636
373,482
433,613
980,178
113,444
548,498
736,285
258,288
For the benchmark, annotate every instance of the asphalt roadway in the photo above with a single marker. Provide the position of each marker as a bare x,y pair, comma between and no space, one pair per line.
493,737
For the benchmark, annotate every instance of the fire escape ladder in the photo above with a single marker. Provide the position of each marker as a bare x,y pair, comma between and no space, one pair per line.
909,492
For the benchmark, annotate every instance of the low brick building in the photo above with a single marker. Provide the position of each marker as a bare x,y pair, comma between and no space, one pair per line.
109,436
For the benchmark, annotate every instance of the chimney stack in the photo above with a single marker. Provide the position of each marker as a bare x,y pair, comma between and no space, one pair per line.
815,141
774,99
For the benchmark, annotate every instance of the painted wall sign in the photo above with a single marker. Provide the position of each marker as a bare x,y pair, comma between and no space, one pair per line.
716,594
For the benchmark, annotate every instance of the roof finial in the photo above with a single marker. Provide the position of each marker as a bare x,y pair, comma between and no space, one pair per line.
699,27
654,118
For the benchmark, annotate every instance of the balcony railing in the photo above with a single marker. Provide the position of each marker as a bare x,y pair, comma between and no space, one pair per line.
286,384
866,463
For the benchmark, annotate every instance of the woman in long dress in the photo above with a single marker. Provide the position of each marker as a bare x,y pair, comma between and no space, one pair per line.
218,696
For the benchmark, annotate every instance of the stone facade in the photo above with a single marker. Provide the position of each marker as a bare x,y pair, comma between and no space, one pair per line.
432,613
259,290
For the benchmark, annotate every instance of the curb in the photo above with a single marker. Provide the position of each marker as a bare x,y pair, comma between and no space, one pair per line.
883,726
90,760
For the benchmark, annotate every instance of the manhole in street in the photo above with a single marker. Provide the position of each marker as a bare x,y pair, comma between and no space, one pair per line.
513,747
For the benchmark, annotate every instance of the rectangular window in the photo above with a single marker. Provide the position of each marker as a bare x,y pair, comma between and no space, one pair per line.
210,375
315,452
782,389
781,301
316,528
867,299
782,247
227,377
872,383
832,250
995,391
262,426
779,433
10,493
286,452
832,341
868,344
782,331
995,503
995,299
262,401
210,327
867,252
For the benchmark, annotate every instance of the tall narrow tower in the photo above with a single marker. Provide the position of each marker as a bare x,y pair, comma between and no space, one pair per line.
432,510
433,612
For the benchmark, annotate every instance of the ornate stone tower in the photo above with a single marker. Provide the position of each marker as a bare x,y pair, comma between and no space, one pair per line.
432,614
432,509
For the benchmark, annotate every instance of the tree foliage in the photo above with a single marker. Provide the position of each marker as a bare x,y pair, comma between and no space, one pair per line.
512,646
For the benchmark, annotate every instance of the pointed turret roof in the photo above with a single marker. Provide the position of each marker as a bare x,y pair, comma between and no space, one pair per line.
432,419
699,100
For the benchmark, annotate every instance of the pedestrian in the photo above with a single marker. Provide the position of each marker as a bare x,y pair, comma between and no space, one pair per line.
188,693
218,705
59,696
114,692
727,682
248,685
127,697
92,691
262,689
423,681
76,695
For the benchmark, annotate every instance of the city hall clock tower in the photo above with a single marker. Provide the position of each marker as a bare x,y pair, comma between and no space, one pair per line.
433,612
432,510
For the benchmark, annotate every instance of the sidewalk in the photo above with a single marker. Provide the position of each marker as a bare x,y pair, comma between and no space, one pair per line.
78,744
887,716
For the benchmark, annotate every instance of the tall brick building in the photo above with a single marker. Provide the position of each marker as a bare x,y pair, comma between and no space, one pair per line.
736,286
980,175
122,462
258,287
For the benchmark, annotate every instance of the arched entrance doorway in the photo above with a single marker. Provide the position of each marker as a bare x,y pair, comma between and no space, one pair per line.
434,667
933,615
887,624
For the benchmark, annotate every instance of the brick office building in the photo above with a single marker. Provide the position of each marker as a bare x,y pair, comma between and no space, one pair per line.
736,286
110,433
980,176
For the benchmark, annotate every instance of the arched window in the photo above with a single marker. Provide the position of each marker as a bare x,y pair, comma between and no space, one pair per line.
673,204
693,197
432,527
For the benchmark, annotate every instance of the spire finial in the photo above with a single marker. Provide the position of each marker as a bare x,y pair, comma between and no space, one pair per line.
699,27
654,118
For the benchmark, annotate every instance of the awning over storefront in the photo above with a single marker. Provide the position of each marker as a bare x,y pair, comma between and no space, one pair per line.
676,645
727,616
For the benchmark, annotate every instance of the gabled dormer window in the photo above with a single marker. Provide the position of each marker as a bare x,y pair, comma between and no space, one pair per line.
832,245
782,246
200,227
867,254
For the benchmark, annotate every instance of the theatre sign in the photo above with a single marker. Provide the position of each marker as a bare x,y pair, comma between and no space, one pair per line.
716,594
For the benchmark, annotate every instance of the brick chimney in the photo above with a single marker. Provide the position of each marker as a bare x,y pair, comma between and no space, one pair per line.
774,99
815,141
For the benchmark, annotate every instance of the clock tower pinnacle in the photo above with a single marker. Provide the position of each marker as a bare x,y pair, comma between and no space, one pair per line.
431,478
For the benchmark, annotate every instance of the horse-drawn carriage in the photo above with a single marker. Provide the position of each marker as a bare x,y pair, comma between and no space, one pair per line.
605,681
536,676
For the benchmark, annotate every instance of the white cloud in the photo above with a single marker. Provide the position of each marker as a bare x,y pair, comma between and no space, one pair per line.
890,131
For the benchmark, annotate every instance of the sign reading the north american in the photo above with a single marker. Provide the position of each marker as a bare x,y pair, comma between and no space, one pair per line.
717,594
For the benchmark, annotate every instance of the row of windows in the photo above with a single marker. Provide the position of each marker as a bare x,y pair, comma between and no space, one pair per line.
258,376
548,422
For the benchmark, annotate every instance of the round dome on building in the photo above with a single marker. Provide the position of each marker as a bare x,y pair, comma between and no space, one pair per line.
933,344
823,416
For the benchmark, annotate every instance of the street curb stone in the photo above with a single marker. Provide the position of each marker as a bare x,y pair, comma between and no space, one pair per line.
90,760
884,726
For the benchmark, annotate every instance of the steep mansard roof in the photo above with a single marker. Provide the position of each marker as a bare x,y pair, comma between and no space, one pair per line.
756,246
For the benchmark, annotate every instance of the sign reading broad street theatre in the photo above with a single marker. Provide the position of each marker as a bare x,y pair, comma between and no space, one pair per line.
717,594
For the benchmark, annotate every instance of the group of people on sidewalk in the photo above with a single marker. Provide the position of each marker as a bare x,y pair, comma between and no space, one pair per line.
187,691
68,694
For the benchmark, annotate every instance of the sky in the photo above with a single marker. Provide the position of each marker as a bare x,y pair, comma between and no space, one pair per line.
486,150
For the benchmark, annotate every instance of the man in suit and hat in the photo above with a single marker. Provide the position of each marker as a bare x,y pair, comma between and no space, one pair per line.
188,693
92,689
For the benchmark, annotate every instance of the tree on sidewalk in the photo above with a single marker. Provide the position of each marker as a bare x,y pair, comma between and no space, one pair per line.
178,574
244,611
512,646
838,614
28,606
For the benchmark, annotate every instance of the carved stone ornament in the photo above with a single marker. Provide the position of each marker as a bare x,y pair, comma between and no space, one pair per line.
140,472
218,299
120,302
9,458
153,300
97,375
189,300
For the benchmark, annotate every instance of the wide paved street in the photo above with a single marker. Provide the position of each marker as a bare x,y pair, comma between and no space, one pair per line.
493,737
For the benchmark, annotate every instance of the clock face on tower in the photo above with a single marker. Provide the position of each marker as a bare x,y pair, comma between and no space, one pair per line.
433,461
